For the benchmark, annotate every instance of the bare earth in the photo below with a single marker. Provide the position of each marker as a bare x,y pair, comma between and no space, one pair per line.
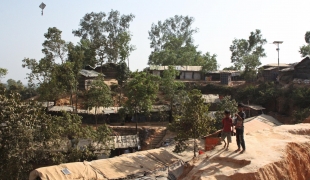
281,152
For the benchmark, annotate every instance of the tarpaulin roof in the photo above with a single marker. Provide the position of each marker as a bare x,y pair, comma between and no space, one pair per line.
77,170
211,98
89,73
154,162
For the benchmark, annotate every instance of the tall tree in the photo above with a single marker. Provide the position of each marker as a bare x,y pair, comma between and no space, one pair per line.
141,92
44,72
193,122
99,95
170,87
246,53
108,33
172,41
54,45
305,49
123,74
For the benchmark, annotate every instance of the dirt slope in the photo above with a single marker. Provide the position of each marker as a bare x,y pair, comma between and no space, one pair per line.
281,152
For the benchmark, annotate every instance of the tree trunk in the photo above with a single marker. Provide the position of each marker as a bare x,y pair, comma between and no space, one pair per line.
136,123
170,112
71,98
96,117
76,96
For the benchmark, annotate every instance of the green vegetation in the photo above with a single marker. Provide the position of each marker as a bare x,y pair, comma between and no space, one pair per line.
31,137
192,122
173,44
246,53
141,92
99,95
170,87
305,49
225,104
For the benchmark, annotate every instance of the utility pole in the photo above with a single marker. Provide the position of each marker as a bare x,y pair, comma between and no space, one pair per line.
278,49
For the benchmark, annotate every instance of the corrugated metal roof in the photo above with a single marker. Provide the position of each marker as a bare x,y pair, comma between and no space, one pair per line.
211,98
233,73
89,73
255,107
103,110
65,108
179,68
265,119
276,65
270,68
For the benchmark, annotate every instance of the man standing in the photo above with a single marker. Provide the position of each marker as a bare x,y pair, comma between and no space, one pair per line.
240,128
227,128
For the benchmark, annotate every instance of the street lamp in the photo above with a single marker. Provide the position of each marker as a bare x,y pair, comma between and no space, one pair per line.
278,49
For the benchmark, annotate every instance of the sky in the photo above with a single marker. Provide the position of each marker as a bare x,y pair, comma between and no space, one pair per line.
219,22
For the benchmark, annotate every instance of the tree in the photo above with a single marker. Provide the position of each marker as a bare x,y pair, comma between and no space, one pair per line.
225,104
31,137
15,86
99,95
170,87
193,122
209,62
305,49
173,44
172,40
44,72
123,74
246,53
54,46
108,34
141,91
3,72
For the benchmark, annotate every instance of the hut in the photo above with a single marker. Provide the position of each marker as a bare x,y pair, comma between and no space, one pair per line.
226,77
213,76
270,74
110,70
190,72
302,69
87,76
186,72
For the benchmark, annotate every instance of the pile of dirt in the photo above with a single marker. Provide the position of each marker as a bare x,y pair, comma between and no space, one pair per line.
281,152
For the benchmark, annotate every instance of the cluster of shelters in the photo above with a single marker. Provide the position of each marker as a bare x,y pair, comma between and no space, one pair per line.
196,73
151,164
110,114
299,71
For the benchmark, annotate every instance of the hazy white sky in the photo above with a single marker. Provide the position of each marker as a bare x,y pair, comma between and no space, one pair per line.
219,22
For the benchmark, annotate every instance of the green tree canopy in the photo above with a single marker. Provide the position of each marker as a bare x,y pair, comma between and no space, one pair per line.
170,87
31,137
305,49
193,121
141,91
173,43
108,33
99,95
246,53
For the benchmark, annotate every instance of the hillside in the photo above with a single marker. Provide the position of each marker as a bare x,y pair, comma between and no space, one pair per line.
274,153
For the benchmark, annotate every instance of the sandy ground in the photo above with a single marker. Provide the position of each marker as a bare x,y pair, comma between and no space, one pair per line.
263,147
